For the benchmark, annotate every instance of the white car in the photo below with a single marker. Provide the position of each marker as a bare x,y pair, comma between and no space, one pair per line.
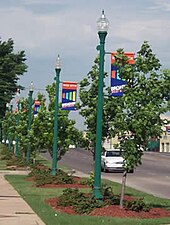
111,160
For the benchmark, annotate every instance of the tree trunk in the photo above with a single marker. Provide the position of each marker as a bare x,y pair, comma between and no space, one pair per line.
123,188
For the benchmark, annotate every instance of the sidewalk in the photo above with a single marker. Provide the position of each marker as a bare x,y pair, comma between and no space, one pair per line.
13,209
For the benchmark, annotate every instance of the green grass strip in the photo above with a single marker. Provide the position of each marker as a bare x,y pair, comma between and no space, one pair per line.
48,163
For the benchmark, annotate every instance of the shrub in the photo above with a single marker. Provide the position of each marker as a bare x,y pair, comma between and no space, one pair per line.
81,203
43,176
38,171
137,205
89,181
18,161
5,154
85,203
108,195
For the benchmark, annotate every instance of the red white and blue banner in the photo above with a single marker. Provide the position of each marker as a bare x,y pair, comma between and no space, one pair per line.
117,84
168,129
36,107
69,95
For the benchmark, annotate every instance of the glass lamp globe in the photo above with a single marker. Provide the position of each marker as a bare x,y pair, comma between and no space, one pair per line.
58,63
31,88
102,23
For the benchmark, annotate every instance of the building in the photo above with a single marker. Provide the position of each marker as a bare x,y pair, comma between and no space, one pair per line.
165,140
156,145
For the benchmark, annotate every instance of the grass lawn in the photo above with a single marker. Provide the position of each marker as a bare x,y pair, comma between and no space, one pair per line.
48,163
36,196
43,161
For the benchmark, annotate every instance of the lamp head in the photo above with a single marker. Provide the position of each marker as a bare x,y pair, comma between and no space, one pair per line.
58,63
18,91
102,23
31,88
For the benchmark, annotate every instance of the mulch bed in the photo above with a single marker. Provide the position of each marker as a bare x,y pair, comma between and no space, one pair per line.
113,211
110,210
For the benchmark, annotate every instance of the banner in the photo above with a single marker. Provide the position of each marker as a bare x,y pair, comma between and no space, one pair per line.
69,94
117,84
168,129
36,107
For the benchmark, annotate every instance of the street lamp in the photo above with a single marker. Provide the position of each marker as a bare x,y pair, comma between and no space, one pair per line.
55,153
102,25
31,89
18,121
10,106
6,141
10,138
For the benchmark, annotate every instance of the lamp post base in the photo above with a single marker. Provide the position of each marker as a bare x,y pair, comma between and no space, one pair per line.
53,172
97,193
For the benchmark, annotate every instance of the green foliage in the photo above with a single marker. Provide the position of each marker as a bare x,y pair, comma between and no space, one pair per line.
43,176
11,160
18,162
5,153
89,181
38,170
88,96
144,101
109,197
85,203
41,133
42,128
12,65
137,205
81,203
135,117
9,125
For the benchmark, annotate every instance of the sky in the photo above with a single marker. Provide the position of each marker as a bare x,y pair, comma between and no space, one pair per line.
46,28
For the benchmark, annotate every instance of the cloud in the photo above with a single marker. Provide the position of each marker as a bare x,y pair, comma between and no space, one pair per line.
163,5
42,32
134,30
44,2
34,2
71,29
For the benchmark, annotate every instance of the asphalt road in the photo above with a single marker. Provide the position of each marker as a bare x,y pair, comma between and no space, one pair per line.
153,176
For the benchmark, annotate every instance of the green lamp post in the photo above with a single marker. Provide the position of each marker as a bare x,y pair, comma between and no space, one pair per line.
17,121
55,150
9,136
29,120
102,25
0,131
6,141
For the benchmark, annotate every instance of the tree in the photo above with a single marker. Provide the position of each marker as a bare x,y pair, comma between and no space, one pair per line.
41,133
43,126
88,96
145,98
8,125
135,117
12,65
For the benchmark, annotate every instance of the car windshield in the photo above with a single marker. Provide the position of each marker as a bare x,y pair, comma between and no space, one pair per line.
113,153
